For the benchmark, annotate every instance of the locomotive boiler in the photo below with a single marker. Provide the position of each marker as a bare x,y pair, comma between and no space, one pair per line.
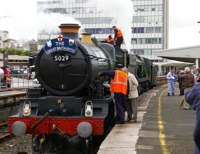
73,108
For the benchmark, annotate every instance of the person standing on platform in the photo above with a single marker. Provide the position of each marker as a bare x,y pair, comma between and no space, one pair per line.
188,81
197,74
193,97
180,82
118,86
118,36
171,79
131,103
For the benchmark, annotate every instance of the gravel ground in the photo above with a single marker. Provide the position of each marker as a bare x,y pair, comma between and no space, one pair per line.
16,145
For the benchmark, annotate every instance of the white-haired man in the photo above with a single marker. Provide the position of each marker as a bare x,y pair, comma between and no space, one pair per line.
188,81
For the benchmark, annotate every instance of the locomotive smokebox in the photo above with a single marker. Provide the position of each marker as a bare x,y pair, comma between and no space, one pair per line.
69,30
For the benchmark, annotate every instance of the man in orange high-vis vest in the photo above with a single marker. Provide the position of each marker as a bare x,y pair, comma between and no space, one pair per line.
109,39
118,86
118,36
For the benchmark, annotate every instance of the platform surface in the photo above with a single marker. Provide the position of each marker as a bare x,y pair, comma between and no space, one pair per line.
162,127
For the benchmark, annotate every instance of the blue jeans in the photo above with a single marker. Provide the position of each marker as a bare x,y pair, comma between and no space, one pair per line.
171,87
197,132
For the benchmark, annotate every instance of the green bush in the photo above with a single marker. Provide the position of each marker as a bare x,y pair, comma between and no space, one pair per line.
12,51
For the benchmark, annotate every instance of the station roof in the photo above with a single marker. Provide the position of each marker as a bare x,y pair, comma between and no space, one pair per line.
185,54
173,63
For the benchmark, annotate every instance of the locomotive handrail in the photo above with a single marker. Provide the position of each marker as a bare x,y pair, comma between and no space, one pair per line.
39,121
97,57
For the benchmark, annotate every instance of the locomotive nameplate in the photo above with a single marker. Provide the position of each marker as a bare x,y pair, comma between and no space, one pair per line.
60,44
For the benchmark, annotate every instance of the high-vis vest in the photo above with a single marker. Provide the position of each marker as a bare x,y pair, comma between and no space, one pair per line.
119,33
108,40
119,83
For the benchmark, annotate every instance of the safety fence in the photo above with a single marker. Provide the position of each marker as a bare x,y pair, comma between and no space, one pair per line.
17,81
24,81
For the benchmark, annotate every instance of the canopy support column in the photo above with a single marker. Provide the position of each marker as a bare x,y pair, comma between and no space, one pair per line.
197,62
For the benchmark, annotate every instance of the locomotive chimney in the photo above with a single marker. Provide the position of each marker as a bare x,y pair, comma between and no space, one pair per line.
69,30
86,38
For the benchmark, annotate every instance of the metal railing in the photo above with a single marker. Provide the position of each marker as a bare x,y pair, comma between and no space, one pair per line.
20,81
16,81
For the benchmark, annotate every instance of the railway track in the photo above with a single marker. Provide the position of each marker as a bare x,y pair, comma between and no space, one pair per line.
4,135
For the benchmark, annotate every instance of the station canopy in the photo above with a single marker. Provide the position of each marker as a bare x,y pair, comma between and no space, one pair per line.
185,54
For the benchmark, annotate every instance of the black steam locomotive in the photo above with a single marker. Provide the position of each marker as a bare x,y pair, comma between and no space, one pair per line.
73,108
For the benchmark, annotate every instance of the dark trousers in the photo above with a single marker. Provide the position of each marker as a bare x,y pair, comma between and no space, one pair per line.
120,100
197,132
119,41
181,89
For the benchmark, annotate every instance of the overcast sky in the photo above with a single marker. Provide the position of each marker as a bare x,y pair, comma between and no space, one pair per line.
20,18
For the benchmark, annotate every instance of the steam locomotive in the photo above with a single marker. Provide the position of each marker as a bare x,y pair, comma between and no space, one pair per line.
73,109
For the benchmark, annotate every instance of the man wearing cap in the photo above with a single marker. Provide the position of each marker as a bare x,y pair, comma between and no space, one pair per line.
118,86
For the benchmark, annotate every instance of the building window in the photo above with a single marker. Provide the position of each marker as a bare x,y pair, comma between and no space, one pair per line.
148,51
97,20
146,41
138,51
134,41
137,19
99,30
138,30
148,8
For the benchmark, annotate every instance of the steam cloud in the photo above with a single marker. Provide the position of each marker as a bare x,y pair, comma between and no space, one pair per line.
46,22
123,14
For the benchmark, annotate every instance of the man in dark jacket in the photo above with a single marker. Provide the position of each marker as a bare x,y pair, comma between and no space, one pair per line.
193,97
180,82
187,81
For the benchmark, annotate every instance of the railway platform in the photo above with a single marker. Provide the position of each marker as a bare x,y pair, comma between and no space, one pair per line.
9,101
162,127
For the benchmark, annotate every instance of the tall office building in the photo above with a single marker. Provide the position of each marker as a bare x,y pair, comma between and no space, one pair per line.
150,26
149,23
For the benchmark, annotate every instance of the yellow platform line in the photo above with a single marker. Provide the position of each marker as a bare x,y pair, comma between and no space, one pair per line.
162,136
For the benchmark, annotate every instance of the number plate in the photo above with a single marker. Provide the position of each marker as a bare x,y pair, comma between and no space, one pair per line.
61,58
